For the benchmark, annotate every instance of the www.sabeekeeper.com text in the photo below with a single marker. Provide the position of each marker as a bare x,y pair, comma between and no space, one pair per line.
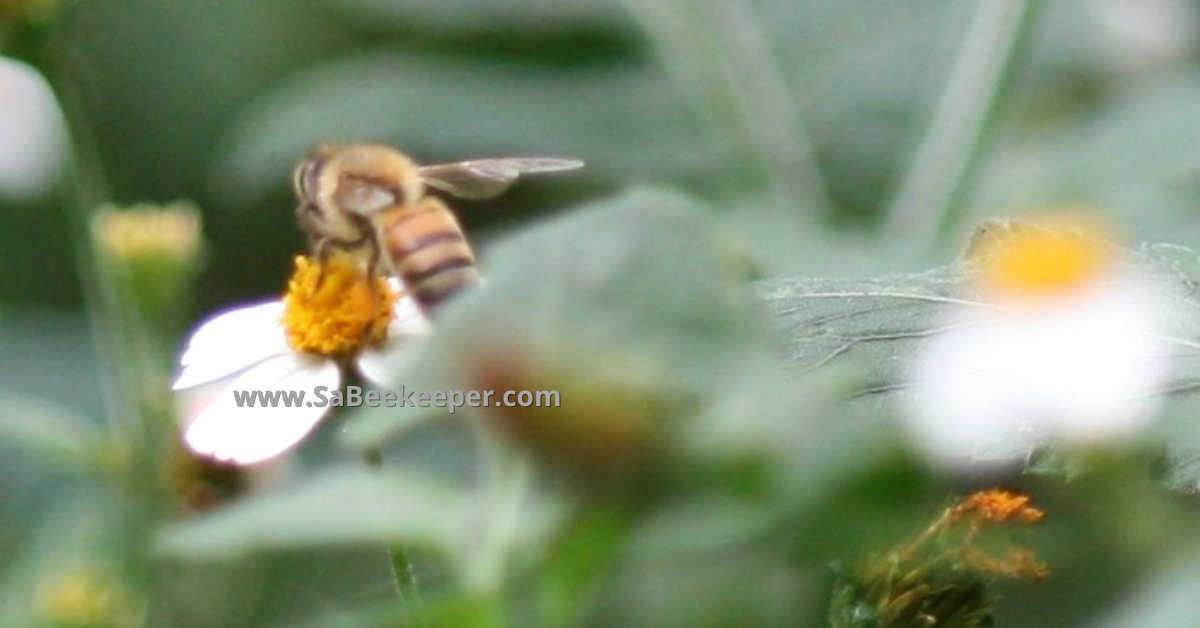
355,396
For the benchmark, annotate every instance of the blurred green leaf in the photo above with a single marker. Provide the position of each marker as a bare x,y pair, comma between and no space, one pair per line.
53,433
1131,157
475,532
509,17
640,287
50,354
703,525
888,498
862,72
338,506
626,121
569,581
741,586
157,142
877,323
1167,599
437,611
74,536
872,323
720,55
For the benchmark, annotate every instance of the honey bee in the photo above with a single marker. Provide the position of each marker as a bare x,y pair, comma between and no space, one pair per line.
372,201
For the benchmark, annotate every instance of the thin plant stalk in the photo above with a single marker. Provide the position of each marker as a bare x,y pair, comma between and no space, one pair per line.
131,373
408,589
930,193
720,53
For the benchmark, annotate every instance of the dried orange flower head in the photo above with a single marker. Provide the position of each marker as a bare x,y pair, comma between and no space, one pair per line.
997,506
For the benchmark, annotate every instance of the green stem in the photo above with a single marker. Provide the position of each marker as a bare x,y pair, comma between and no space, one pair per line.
131,374
930,194
408,589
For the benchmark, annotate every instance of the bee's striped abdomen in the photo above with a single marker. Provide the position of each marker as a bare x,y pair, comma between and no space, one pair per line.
429,252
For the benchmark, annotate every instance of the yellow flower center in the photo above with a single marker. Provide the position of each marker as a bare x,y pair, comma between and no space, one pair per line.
335,308
1025,261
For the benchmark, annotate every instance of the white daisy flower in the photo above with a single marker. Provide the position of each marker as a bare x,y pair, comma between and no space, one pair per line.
1066,343
331,318
33,152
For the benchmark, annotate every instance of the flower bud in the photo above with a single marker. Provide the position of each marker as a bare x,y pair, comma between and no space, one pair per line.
154,254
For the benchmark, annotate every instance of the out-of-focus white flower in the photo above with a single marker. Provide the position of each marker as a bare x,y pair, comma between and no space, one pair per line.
33,137
1066,342
333,316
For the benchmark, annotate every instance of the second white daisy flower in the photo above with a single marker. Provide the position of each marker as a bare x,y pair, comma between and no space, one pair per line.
1066,343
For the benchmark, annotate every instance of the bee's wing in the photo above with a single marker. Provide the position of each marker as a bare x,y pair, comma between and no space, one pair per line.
485,178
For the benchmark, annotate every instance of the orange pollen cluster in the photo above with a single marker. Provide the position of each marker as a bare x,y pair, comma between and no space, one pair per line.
997,505
335,308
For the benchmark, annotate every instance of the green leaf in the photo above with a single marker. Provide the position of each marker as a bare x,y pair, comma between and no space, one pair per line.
507,17
53,433
637,289
873,323
1168,598
74,535
1131,158
625,121
339,506
877,323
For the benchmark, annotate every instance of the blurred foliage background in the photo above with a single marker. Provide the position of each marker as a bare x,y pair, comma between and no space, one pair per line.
797,124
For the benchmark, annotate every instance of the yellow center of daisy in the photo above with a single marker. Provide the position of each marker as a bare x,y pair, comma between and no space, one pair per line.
334,308
1025,261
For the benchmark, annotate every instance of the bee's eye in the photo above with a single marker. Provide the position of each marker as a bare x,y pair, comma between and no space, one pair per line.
306,177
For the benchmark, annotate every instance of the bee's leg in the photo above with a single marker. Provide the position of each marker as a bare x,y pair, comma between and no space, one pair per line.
374,267
374,271
320,252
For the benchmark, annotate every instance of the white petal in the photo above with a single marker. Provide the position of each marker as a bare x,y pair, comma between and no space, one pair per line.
250,434
232,341
966,402
407,319
1117,356
384,363
33,149
1082,370
373,364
